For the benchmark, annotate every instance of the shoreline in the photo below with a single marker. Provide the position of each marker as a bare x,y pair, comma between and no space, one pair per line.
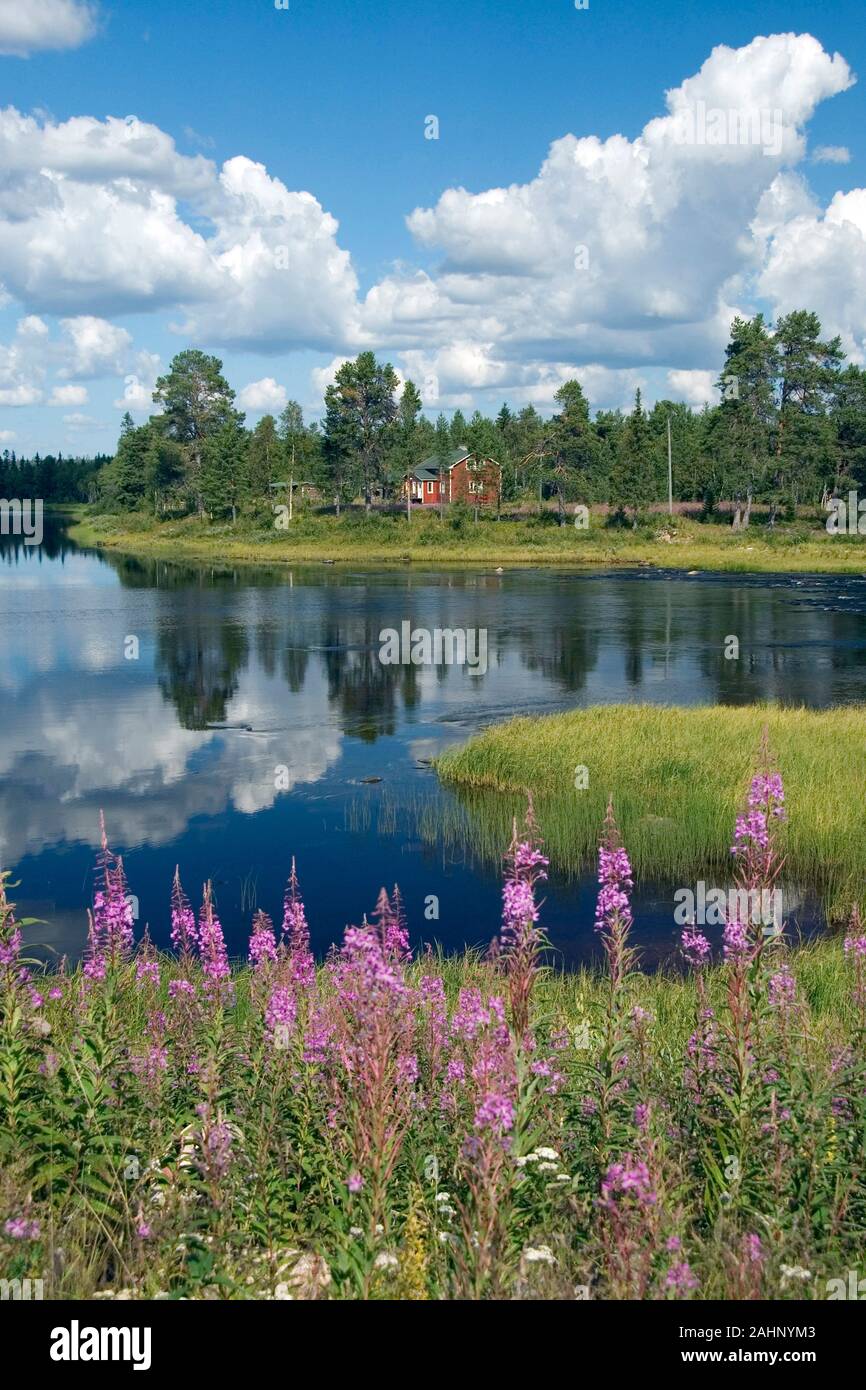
329,542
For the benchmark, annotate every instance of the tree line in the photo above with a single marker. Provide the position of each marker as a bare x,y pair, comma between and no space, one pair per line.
789,428
52,477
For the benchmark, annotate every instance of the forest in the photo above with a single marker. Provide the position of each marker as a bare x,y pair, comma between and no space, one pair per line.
788,430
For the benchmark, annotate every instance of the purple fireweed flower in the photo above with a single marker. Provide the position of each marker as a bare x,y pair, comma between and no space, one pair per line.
495,1113
317,1038
736,940
11,940
212,946
680,1278
146,971
782,988
355,1182
183,928
629,1178
10,936
296,934
613,909
526,867
110,937
11,947
695,947
470,1016
754,833
767,793
400,930
431,995
855,946
518,909
263,942
753,1250
280,1016
20,1228
215,1141
295,928
391,926
407,1069
94,964
520,942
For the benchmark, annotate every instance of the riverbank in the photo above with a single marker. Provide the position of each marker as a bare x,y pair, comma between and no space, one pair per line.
677,778
385,539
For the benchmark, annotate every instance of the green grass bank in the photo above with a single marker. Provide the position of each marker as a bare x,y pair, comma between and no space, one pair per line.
677,777
797,548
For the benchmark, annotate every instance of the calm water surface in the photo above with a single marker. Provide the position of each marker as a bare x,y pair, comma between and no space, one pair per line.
240,672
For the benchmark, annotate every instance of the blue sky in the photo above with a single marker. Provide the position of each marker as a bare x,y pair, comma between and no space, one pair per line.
331,98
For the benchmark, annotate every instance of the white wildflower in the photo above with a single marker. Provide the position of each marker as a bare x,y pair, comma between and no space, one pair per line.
386,1260
539,1254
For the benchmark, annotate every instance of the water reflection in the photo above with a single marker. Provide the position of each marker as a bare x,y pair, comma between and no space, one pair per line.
257,712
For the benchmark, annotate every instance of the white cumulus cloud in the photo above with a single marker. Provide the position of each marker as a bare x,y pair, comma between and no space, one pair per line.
622,261
27,26
264,395
68,395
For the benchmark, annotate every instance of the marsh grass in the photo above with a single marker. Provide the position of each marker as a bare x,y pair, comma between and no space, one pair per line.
677,777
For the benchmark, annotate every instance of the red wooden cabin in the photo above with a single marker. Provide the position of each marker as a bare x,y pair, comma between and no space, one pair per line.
465,477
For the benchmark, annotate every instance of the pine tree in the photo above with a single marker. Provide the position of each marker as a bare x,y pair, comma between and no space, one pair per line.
572,448
224,479
747,419
197,402
443,455
634,473
360,408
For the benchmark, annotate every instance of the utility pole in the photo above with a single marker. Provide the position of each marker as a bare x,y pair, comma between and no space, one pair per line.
292,481
670,473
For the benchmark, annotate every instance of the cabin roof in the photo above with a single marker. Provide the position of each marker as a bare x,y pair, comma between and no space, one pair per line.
428,469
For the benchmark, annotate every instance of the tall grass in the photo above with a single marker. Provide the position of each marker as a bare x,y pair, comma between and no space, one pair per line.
677,776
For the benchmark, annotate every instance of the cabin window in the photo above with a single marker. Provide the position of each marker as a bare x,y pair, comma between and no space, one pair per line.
429,489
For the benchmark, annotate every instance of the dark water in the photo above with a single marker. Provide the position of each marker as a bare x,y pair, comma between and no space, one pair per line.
241,672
